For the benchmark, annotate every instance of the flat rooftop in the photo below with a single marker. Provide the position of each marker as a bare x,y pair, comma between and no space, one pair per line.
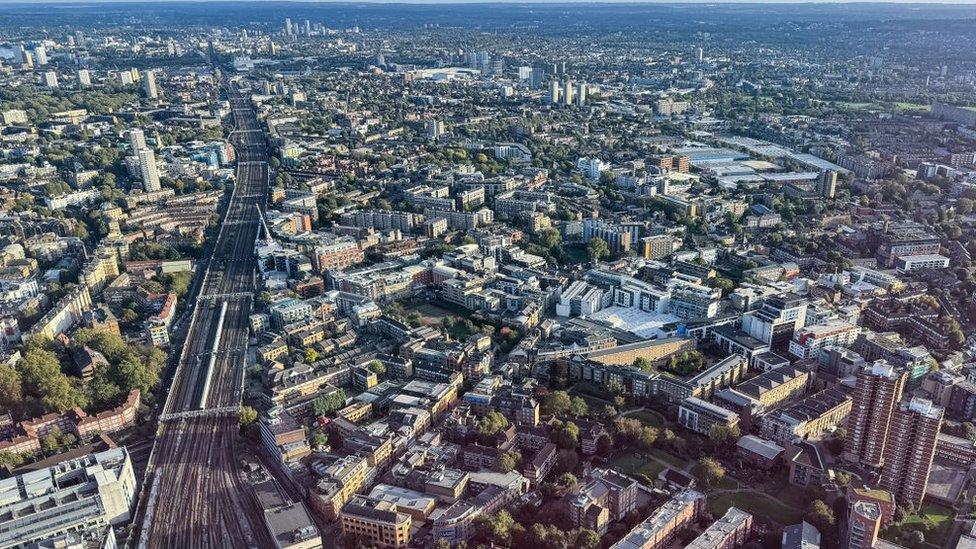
635,321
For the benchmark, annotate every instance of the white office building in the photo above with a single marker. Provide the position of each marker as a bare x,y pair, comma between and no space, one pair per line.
591,168
78,495
148,170
149,84
40,55
137,140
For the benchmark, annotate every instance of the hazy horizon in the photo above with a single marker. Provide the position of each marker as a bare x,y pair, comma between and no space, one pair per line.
459,2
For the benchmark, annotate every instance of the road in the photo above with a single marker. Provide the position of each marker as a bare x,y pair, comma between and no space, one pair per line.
193,495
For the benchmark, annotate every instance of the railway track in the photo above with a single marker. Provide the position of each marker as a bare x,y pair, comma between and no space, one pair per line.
194,495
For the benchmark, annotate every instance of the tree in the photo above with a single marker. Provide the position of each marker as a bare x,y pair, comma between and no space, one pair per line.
129,316
10,459
319,439
549,238
720,434
557,403
505,464
968,431
915,539
135,374
842,479
964,206
50,442
42,378
820,515
578,407
641,363
566,461
490,425
329,403
606,411
11,392
178,283
646,438
377,368
597,249
568,482
311,355
587,539
495,528
567,436
247,415
102,391
627,429
709,471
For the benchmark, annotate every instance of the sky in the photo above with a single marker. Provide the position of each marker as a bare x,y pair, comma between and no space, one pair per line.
524,2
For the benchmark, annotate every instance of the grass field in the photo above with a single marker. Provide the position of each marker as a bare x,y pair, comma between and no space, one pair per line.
576,253
650,418
430,314
670,459
754,503
594,403
936,518
900,106
631,464
790,494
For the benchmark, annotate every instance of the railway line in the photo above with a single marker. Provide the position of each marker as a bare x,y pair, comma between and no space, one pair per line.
193,495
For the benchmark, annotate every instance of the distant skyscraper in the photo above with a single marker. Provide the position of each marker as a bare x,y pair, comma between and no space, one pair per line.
149,84
535,81
51,79
581,94
80,39
84,78
568,91
701,55
827,183
40,55
484,62
876,395
148,170
137,140
170,47
554,91
308,27
435,129
910,449
288,29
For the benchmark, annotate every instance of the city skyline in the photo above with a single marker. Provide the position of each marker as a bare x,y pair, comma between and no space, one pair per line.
438,275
